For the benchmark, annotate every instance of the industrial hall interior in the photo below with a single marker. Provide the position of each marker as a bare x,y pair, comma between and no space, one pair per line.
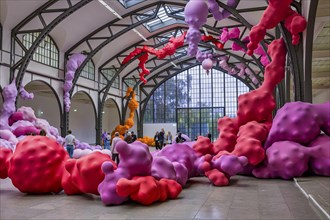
165,109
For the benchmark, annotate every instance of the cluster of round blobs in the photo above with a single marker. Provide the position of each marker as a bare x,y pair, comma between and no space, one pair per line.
40,165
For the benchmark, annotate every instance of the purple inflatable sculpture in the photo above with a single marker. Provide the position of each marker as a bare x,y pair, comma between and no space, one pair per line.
72,65
299,122
9,94
320,157
135,160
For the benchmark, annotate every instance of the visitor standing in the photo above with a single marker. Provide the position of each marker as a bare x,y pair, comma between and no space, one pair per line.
161,138
128,138
156,139
179,138
70,142
169,138
107,142
134,138
115,155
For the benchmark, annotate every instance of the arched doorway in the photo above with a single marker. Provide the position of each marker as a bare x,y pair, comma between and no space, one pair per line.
46,104
111,115
82,117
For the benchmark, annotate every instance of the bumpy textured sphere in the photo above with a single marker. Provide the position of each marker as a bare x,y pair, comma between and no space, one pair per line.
5,155
85,173
285,159
299,122
320,156
37,165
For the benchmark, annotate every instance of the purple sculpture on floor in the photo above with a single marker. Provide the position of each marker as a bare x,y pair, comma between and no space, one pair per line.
135,160
285,159
299,122
294,142
320,155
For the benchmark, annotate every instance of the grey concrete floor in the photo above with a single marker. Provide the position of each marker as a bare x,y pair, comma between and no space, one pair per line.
245,198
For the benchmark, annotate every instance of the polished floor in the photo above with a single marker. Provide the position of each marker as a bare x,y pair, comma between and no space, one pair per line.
246,198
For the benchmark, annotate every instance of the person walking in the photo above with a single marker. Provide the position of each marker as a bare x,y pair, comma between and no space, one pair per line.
70,142
114,152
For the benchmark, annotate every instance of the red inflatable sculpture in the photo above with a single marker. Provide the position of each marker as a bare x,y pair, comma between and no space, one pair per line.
146,189
83,175
244,135
276,12
37,165
5,155
168,50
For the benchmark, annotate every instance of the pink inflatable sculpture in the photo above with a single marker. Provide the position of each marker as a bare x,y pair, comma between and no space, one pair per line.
37,165
5,155
232,34
85,174
255,106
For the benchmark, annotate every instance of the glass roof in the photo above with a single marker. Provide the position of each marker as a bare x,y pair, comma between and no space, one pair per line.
130,3
162,19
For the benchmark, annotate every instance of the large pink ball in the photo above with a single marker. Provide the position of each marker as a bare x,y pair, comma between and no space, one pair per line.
207,64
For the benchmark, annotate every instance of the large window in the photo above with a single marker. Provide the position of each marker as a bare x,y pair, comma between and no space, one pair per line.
195,101
46,53
88,70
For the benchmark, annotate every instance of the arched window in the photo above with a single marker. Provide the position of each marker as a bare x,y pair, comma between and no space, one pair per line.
88,71
195,101
46,53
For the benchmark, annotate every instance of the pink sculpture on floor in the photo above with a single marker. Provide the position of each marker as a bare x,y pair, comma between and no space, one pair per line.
9,136
135,160
5,156
37,165
84,174
276,12
147,190
255,112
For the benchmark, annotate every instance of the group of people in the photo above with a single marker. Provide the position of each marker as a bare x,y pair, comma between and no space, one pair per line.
161,139
109,144
129,137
